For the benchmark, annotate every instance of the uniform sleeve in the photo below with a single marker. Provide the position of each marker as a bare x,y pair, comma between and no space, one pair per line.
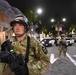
40,48
3,66
58,42
39,65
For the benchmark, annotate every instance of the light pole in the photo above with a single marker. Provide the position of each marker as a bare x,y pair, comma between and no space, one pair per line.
58,27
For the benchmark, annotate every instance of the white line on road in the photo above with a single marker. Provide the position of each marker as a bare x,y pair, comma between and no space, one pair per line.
74,55
72,60
52,58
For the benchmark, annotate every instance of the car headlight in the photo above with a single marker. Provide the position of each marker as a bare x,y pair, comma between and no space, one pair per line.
42,42
50,42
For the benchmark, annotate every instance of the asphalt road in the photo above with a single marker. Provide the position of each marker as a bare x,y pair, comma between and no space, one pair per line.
62,66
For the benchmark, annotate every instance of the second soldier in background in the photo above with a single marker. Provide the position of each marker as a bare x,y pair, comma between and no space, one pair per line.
62,46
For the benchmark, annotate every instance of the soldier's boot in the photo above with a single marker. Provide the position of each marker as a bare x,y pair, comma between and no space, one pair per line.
58,57
65,57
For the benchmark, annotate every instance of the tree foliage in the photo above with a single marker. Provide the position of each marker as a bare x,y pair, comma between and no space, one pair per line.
32,17
73,26
44,29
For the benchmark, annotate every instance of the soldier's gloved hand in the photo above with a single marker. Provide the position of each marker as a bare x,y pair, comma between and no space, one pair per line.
24,69
15,68
60,42
19,69
4,57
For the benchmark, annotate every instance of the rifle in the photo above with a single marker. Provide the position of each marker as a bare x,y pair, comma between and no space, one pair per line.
63,44
17,63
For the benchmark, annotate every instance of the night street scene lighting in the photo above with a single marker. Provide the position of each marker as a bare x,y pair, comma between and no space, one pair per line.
58,24
39,11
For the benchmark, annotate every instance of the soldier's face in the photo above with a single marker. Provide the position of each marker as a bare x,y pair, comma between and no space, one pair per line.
62,37
18,29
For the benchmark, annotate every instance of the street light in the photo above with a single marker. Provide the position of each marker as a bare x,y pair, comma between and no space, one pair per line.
64,19
39,10
52,20
58,27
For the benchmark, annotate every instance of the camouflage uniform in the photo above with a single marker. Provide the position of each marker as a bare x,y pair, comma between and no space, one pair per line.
62,47
38,60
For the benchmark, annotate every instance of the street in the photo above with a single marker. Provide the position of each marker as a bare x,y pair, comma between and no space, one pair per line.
62,66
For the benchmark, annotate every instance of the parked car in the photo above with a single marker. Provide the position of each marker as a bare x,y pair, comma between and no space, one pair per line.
70,41
74,39
48,42
56,41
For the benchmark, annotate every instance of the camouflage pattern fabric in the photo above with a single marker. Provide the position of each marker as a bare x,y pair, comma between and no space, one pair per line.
62,46
38,61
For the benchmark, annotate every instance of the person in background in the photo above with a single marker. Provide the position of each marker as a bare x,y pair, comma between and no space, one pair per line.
62,46
39,60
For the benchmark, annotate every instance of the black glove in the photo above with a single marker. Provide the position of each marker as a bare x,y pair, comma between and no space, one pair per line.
24,69
19,69
60,42
15,68
4,56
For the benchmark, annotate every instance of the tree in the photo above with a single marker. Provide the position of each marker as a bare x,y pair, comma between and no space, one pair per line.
44,29
32,17
72,27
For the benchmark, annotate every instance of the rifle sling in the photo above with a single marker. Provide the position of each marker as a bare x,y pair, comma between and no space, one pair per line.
27,49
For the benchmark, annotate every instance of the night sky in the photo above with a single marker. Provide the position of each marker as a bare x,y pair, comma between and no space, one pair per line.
51,9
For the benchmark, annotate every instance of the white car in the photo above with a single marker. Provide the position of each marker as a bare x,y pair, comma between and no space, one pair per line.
48,42
69,40
52,41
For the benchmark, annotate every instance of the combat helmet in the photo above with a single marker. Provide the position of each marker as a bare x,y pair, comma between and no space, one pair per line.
20,19
63,35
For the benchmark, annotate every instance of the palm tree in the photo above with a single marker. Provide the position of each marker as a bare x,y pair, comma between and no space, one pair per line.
72,27
44,29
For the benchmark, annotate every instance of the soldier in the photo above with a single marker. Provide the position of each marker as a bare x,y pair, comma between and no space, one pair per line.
62,46
38,56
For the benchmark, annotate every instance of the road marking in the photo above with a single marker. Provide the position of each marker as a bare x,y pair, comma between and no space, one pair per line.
52,59
74,55
72,60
